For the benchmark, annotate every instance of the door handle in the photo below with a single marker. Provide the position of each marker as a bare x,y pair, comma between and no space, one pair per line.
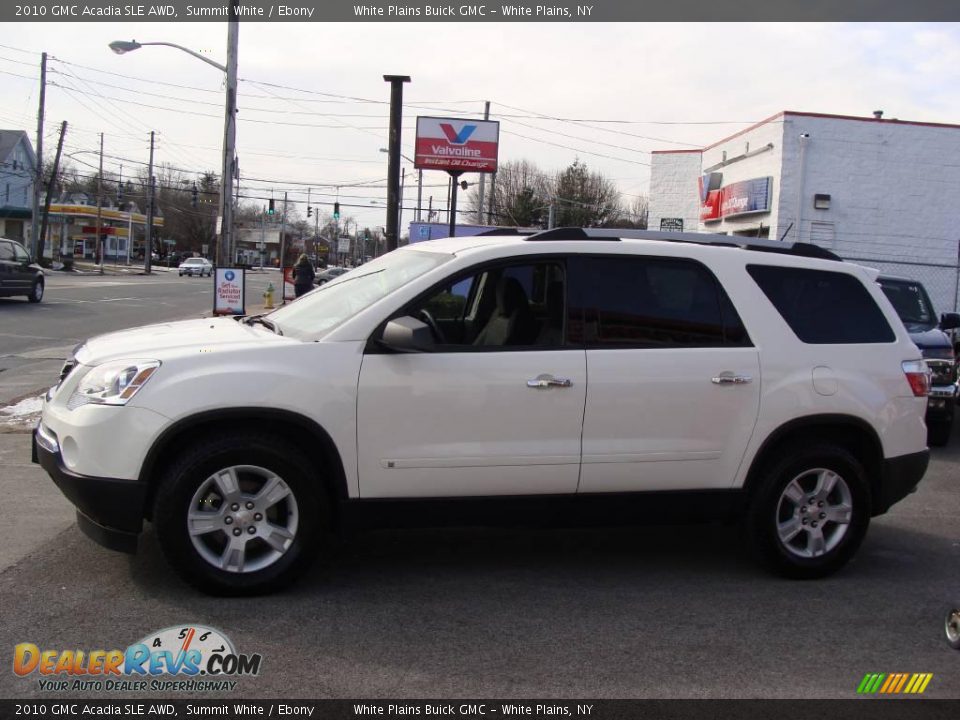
548,381
729,378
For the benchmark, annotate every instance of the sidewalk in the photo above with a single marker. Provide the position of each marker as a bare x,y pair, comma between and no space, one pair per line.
88,268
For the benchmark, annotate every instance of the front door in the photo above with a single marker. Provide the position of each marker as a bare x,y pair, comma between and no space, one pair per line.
496,408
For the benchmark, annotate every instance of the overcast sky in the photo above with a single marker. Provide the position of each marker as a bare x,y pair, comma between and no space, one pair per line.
676,85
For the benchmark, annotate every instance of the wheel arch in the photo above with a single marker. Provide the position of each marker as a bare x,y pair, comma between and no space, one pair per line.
305,433
848,431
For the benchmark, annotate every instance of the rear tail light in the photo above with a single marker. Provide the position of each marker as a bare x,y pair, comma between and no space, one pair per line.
918,375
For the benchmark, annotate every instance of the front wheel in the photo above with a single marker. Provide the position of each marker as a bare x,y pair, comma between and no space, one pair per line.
240,515
810,511
36,292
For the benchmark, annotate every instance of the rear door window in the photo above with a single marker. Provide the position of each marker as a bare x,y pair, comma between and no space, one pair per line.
823,307
652,302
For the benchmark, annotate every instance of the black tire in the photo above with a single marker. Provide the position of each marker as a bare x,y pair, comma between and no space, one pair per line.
36,291
939,431
765,508
184,477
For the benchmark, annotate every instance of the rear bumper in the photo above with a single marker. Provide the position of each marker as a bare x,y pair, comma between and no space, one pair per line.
900,477
109,511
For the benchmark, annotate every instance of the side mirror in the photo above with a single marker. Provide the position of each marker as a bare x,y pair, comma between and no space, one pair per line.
407,334
949,321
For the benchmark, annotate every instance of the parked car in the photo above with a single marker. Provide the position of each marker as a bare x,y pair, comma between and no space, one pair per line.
573,376
912,303
329,274
19,274
196,266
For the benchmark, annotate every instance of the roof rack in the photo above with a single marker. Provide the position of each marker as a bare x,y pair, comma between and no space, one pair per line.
760,245
506,231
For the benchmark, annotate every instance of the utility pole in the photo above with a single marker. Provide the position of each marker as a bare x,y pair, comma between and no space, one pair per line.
486,116
53,178
229,141
283,230
100,206
393,172
493,195
148,231
38,176
454,177
403,180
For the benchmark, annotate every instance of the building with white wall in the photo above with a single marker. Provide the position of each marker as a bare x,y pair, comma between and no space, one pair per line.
883,191
18,167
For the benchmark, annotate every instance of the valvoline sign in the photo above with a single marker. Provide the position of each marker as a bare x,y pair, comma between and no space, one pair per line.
457,145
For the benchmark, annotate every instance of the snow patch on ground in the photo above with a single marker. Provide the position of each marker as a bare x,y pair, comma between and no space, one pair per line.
25,413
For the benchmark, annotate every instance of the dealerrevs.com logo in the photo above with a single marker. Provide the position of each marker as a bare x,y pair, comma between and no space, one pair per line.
181,658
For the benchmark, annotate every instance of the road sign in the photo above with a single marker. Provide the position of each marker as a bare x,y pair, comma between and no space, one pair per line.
343,245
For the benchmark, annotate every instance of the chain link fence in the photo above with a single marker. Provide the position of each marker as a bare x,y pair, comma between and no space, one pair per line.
941,281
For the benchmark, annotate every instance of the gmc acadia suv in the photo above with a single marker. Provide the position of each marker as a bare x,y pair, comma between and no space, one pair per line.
572,374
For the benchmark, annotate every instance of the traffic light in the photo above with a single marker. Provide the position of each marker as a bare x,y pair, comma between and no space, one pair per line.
336,211
194,195
309,211
366,233
270,209
119,194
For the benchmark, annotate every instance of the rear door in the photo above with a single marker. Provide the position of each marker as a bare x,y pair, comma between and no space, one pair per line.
674,381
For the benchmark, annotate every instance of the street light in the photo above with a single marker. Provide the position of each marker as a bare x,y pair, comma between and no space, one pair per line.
229,122
419,182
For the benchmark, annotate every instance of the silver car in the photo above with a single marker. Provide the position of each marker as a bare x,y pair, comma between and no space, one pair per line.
196,266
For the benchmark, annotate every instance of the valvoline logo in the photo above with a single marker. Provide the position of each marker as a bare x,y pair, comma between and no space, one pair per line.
457,138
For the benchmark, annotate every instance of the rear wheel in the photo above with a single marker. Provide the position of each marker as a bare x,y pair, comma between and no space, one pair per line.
36,292
240,515
810,511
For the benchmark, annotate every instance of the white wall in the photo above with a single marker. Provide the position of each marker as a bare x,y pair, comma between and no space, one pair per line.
760,163
673,189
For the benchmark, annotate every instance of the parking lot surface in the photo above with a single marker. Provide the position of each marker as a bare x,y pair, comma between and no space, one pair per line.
634,612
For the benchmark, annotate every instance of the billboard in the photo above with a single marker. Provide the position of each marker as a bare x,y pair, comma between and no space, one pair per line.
740,198
457,145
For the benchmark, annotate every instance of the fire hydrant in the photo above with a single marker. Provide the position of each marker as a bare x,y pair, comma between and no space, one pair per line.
268,297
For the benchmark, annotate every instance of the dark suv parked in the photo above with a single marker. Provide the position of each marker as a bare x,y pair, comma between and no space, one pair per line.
19,275
910,300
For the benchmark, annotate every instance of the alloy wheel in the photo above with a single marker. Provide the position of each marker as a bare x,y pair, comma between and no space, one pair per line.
814,513
242,518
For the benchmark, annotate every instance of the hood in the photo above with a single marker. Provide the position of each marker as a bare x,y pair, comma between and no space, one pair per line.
928,338
166,340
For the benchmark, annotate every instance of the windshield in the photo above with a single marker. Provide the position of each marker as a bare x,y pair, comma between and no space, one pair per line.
910,301
331,304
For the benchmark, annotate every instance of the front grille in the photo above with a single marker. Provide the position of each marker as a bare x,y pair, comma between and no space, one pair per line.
942,372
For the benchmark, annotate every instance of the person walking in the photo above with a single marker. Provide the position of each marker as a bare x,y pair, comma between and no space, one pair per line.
303,276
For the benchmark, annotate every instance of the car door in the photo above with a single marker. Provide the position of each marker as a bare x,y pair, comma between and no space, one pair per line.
491,411
6,267
24,275
674,379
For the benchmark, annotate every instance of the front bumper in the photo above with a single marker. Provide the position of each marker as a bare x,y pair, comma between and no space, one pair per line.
109,511
900,477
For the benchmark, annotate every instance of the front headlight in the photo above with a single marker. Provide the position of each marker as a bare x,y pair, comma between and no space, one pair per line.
113,383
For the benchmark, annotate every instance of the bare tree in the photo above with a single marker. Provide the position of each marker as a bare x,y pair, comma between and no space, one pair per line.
519,195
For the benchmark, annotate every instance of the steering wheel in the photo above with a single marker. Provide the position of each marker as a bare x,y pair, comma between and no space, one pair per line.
432,324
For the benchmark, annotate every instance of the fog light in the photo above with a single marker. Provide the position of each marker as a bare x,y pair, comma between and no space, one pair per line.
46,439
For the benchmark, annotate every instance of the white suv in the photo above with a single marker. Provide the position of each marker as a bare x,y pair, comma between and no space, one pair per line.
563,377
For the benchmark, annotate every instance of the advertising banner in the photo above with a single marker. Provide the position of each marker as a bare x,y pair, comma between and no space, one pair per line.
289,292
228,292
457,145
740,198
